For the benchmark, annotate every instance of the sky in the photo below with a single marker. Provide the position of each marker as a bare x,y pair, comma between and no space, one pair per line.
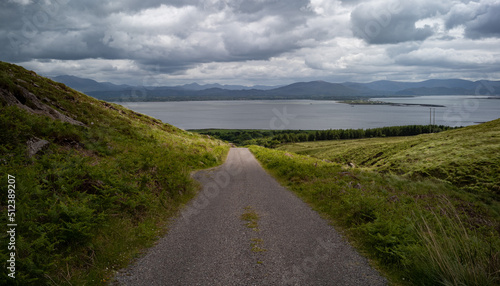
249,42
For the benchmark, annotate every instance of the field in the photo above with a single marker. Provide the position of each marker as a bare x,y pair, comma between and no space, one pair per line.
468,158
425,208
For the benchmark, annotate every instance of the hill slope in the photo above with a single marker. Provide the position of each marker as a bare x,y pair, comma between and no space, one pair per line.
466,157
94,182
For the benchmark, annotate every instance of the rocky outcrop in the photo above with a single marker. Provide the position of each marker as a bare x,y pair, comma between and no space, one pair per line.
31,103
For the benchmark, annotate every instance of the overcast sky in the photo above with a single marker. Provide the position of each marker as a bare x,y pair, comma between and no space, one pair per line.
160,42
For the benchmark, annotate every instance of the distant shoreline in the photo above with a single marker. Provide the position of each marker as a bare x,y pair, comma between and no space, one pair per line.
368,102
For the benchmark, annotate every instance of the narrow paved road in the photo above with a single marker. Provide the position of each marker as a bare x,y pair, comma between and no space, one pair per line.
286,244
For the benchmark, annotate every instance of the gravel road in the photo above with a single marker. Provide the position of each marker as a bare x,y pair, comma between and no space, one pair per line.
210,242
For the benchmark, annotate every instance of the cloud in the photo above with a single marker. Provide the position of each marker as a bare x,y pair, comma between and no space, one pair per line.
485,25
461,14
390,22
21,2
176,36
260,40
445,58
480,19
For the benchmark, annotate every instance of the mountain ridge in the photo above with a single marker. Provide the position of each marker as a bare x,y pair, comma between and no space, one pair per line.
299,90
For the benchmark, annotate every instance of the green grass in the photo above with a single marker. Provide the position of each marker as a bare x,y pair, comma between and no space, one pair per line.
417,229
454,254
468,158
256,245
251,217
252,221
98,194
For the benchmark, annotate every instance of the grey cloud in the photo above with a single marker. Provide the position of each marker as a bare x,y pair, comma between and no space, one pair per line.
292,9
104,8
403,48
481,20
447,59
252,7
96,29
391,22
485,25
50,30
350,2
177,37
461,13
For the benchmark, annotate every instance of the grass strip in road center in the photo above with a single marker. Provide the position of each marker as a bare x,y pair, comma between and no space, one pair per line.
252,221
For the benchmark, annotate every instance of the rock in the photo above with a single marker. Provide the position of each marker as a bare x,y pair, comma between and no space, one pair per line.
351,165
30,102
34,145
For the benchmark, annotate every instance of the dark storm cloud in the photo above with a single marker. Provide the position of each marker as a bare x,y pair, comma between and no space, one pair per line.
257,39
63,29
485,25
104,8
293,10
390,22
481,20
45,29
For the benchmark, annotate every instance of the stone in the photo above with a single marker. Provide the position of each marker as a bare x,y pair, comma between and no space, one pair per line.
35,145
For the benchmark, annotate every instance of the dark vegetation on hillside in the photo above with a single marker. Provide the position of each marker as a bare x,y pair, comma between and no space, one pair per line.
273,138
95,182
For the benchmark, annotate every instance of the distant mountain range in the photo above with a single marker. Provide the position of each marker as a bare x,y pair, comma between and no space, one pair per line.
89,85
300,90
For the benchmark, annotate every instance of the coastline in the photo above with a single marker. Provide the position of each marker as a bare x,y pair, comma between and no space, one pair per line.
368,102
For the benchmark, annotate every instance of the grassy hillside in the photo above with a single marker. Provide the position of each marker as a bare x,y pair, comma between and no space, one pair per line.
94,182
468,158
425,209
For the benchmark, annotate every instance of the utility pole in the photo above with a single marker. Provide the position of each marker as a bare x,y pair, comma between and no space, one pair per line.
432,121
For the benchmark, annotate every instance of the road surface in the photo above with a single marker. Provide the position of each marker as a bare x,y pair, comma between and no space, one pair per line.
244,228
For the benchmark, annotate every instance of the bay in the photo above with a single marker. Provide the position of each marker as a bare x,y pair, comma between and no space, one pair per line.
319,115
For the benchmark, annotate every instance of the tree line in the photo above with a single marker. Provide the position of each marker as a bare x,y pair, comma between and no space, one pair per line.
273,138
